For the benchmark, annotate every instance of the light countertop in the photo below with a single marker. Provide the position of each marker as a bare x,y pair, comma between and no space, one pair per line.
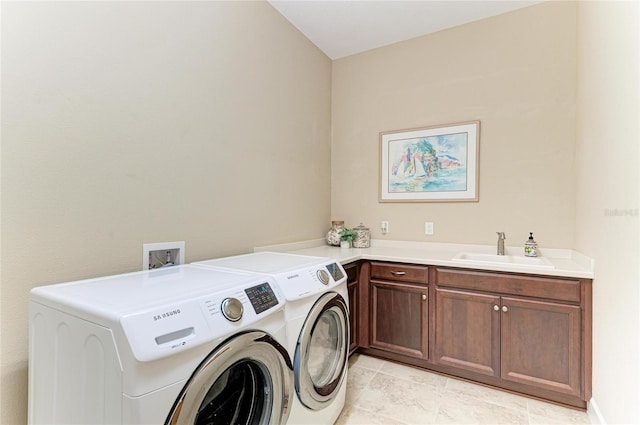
566,263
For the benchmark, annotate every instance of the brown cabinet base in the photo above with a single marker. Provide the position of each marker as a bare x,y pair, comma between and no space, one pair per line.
522,333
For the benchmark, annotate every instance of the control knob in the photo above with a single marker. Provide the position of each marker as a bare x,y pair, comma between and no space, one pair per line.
232,309
323,275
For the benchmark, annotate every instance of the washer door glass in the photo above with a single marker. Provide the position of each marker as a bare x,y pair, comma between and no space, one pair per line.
238,396
322,351
246,380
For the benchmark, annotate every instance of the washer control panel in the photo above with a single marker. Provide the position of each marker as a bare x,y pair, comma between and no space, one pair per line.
261,297
180,325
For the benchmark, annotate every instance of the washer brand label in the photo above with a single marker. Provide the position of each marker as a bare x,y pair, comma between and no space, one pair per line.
166,314
293,276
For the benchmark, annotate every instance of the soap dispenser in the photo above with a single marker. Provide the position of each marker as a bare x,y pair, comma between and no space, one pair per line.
531,247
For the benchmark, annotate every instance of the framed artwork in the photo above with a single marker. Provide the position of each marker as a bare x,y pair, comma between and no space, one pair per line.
430,164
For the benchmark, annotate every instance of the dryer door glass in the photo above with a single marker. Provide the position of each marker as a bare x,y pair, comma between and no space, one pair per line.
322,350
245,381
325,357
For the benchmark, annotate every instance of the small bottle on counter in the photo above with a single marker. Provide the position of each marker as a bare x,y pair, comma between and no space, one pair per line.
531,247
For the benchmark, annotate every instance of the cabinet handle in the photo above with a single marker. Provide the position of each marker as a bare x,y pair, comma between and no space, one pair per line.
424,296
496,308
398,273
504,308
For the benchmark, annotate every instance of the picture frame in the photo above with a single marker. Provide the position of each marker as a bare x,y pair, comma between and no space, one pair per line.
430,164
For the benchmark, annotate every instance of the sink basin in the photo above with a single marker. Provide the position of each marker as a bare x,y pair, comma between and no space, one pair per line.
503,260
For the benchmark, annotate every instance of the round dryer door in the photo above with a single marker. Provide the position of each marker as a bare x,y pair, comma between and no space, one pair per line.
322,351
245,380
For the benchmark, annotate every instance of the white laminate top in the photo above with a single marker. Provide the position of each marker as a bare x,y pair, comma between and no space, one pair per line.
567,263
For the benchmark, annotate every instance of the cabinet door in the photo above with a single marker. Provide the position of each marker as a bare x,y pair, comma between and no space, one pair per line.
467,331
353,274
541,344
399,318
353,316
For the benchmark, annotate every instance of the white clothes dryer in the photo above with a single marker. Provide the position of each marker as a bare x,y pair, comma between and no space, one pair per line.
180,345
316,311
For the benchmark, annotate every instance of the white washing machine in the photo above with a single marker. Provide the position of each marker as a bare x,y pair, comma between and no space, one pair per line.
181,345
316,311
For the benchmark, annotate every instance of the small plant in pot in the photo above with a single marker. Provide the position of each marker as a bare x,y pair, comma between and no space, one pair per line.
346,238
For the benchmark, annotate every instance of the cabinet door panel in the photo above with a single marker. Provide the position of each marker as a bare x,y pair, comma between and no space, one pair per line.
399,318
467,334
353,315
541,344
353,274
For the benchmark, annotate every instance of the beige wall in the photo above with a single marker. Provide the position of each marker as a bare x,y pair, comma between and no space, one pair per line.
516,74
126,123
608,197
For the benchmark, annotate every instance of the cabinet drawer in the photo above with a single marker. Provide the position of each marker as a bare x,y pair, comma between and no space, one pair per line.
399,272
531,286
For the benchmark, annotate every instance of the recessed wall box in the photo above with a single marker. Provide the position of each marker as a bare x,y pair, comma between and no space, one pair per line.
162,254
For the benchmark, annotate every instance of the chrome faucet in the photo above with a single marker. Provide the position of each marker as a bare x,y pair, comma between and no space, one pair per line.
501,238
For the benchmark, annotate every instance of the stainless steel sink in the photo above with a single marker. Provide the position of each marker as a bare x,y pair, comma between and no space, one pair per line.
503,260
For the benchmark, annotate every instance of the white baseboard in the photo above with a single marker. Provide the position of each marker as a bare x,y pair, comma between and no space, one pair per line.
595,415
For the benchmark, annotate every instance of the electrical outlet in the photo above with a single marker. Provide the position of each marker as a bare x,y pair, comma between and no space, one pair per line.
163,254
428,228
384,226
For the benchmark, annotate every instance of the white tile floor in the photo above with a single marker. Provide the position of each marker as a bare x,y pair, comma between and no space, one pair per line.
381,392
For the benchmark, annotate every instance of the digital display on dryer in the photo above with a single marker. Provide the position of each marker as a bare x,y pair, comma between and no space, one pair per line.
261,297
335,271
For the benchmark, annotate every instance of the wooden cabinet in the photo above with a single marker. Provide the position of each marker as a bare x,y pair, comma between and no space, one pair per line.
527,332
353,274
467,331
540,344
530,342
399,309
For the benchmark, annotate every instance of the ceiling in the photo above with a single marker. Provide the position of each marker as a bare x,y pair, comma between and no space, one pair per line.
346,27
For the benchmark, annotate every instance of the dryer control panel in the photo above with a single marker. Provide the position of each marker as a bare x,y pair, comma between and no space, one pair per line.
311,281
336,271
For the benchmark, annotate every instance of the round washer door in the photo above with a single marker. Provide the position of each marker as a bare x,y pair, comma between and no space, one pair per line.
321,353
245,380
